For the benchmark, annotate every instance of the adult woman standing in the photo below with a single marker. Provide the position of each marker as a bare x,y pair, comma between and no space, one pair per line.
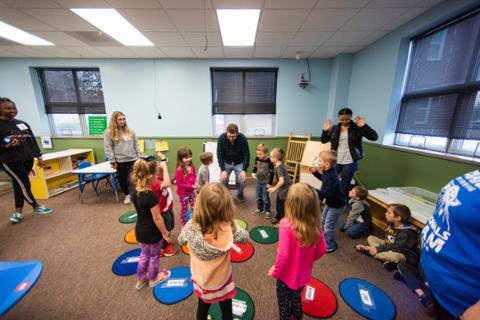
121,148
346,140
18,149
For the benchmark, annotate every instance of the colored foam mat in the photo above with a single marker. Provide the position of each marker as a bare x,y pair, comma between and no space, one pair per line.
242,306
129,217
241,224
367,299
176,288
318,300
241,252
127,263
186,250
264,234
17,278
130,237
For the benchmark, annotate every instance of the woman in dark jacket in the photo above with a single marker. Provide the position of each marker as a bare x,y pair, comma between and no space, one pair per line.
346,140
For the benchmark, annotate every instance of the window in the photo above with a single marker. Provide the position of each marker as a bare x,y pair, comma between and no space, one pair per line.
71,96
246,97
440,107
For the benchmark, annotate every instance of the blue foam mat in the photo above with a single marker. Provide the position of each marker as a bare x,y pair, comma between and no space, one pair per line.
127,263
177,288
367,299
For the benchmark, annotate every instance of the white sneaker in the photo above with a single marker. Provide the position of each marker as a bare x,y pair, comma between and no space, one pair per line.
127,199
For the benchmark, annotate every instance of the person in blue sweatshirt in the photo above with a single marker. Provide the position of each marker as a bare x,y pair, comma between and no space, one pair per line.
332,192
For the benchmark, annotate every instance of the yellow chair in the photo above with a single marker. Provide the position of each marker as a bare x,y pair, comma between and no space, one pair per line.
293,156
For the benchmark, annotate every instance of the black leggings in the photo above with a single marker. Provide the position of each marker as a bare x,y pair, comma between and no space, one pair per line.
123,174
280,206
225,306
19,171
289,301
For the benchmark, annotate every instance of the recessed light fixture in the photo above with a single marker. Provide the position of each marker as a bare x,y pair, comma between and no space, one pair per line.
11,33
238,26
115,25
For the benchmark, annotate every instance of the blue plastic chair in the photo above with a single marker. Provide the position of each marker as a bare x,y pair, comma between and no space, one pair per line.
94,179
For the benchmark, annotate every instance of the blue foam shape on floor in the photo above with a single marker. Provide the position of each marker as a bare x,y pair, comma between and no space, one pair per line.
127,263
177,288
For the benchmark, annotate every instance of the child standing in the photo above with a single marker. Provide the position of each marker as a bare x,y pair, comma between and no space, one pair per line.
263,172
209,236
301,242
203,176
331,191
283,182
161,188
401,239
359,218
150,229
186,182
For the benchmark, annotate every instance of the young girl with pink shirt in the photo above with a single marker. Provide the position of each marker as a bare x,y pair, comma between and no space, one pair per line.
186,182
301,242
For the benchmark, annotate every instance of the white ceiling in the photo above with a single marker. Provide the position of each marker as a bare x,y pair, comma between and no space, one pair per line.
316,28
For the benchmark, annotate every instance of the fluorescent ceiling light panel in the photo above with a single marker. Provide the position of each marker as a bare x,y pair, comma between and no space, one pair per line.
115,25
11,33
238,26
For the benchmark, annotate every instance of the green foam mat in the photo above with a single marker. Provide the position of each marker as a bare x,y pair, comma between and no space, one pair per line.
241,224
129,217
264,234
242,306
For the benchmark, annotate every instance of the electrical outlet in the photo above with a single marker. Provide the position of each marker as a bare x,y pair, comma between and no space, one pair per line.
159,116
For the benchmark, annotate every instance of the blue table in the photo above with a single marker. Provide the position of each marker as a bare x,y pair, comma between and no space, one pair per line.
17,278
100,169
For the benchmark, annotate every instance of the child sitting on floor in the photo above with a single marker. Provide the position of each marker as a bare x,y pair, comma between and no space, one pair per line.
359,217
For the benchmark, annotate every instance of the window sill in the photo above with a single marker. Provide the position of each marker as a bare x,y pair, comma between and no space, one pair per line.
436,154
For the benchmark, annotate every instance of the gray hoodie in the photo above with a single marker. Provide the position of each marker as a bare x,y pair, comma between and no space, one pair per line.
124,150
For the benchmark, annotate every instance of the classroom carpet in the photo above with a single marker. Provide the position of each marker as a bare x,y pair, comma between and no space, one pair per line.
78,244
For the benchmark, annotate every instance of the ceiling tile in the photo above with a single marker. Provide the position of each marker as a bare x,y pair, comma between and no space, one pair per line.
166,39
372,37
62,19
117,52
148,19
197,39
2,5
31,4
268,52
304,51
282,20
26,51
6,53
148,52
404,18
236,4
60,52
328,19
274,39
238,52
346,38
310,38
392,3
288,4
193,20
83,3
429,3
22,21
212,52
87,52
59,38
328,52
354,49
335,4
373,18
137,4
178,52
184,4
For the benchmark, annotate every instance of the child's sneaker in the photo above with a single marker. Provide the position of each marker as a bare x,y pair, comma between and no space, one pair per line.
275,223
332,247
169,250
363,249
257,212
127,199
389,266
268,215
42,210
16,217
140,285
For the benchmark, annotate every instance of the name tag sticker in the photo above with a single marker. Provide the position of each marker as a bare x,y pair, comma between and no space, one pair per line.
264,234
236,248
132,216
239,307
310,293
175,283
365,296
131,260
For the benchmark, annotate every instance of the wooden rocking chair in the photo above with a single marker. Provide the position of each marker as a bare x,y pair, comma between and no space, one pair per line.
296,146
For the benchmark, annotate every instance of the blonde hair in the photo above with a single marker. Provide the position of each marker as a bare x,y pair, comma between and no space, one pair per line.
329,156
143,174
278,153
262,147
214,205
183,152
116,132
302,209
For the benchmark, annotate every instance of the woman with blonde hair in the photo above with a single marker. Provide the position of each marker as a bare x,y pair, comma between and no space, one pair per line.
121,148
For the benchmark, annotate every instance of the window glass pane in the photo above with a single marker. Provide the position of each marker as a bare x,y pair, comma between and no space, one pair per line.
422,142
469,148
67,124
259,124
220,122
60,86
90,86
228,87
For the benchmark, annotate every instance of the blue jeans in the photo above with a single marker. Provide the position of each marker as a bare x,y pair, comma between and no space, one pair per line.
263,199
238,169
356,230
330,217
346,172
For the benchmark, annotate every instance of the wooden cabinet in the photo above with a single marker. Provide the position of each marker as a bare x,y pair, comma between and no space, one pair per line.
56,177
